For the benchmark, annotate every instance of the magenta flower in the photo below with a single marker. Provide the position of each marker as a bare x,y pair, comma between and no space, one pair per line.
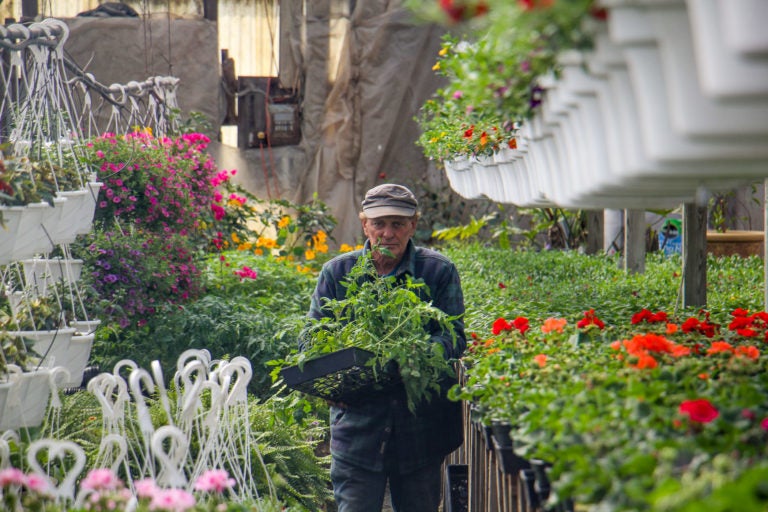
246,273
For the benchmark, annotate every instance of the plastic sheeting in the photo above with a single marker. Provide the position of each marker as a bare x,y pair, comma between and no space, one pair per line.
361,132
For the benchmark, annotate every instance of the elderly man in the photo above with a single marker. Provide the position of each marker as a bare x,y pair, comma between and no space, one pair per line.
381,441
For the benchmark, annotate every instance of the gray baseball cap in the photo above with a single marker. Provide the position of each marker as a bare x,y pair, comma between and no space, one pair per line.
389,199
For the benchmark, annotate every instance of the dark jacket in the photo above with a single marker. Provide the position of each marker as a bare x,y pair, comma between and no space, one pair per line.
361,434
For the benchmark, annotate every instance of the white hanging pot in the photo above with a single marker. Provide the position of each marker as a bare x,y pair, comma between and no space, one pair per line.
40,273
52,346
24,399
726,73
76,359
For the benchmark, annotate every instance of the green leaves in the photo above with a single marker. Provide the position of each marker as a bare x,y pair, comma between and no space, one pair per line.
389,318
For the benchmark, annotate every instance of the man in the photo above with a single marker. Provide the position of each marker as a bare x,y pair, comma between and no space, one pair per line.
382,441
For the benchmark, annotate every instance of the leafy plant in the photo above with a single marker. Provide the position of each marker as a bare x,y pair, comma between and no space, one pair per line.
391,319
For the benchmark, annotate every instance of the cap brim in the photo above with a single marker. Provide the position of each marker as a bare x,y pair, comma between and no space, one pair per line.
385,211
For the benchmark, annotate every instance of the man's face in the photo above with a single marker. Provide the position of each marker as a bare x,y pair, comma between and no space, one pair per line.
391,232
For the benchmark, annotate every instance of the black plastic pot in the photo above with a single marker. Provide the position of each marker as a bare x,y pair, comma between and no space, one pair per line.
456,488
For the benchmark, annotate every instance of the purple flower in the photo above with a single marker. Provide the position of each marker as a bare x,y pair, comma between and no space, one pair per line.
110,278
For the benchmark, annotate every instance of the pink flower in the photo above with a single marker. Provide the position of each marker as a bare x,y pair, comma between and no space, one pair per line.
36,483
216,480
172,500
145,488
764,424
11,476
102,479
246,273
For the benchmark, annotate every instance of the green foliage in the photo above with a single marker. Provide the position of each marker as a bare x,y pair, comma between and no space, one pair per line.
389,319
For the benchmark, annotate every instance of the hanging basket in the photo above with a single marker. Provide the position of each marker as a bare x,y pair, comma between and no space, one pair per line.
24,398
40,273
53,346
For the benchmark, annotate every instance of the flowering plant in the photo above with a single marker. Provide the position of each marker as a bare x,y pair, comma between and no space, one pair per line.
138,273
661,401
102,490
493,72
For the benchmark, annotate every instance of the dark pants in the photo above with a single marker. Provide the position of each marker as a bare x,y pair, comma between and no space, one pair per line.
360,490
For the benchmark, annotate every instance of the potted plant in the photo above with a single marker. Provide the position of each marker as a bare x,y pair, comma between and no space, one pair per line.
39,321
724,241
388,321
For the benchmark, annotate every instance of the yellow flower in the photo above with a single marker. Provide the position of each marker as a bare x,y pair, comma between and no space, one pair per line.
309,254
443,51
359,246
246,246
436,66
235,238
303,269
267,243
284,221
320,237
346,248
258,252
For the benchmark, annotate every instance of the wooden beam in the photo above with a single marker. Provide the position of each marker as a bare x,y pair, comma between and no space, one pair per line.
694,255
634,241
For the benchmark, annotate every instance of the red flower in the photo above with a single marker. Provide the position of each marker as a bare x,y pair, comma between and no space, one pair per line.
500,325
699,410
502,285
590,319
461,10
468,133
521,324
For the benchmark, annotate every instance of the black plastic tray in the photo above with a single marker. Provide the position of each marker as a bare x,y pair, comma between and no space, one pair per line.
342,376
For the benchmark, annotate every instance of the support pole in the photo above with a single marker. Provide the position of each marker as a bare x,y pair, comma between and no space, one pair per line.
594,231
634,241
694,255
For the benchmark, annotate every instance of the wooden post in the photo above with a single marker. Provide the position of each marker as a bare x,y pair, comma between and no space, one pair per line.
634,241
211,10
694,255
29,10
594,231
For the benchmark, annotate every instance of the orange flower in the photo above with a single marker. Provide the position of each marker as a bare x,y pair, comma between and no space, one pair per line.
540,359
750,352
645,361
553,324
720,346
672,328
703,376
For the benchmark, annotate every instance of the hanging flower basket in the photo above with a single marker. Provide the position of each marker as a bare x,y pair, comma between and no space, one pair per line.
53,346
42,273
24,398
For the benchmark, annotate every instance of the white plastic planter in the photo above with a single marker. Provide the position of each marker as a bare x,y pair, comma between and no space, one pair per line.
52,346
744,26
24,398
40,273
461,177
726,73
76,359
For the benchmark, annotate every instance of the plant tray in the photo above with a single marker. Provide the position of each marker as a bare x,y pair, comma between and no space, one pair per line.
342,376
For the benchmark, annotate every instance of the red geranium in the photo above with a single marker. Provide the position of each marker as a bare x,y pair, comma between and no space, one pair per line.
699,411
